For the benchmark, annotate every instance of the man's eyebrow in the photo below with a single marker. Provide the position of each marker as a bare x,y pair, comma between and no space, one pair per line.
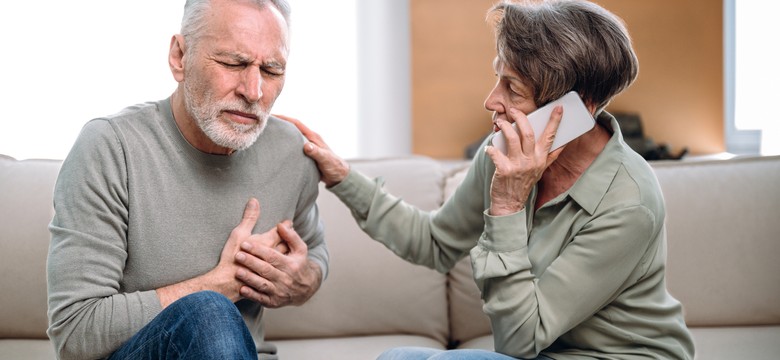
274,64
232,55
247,59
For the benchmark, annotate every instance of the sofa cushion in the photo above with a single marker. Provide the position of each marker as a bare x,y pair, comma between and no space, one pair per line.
26,196
371,291
27,349
723,239
749,342
352,348
484,342
467,321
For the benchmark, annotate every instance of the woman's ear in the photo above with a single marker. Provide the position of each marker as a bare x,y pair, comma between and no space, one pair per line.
176,57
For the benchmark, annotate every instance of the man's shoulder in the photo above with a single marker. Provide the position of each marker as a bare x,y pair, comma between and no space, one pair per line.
113,131
137,112
281,136
283,128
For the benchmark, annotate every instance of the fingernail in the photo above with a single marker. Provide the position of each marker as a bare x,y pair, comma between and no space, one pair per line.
240,273
240,256
246,246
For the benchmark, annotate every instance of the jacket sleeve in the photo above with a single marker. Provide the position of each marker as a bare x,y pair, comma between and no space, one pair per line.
89,316
436,239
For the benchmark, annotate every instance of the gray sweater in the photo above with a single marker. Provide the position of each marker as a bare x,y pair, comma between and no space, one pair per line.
138,208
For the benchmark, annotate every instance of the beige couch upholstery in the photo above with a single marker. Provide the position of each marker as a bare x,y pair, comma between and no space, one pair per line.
724,240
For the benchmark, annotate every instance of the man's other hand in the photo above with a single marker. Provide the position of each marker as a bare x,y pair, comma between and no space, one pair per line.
275,279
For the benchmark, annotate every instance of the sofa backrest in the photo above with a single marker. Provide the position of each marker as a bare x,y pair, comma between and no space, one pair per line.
369,290
723,229
413,299
467,321
25,212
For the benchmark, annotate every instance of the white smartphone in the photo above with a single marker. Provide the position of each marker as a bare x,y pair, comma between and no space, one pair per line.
576,121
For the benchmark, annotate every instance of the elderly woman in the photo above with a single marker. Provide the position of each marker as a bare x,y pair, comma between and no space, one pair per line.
567,247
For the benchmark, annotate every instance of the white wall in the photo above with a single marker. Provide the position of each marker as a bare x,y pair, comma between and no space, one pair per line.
64,63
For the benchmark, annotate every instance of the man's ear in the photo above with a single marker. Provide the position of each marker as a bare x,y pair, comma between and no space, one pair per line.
176,57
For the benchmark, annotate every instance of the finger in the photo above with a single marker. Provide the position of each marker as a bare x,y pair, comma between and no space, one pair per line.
261,262
310,134
251,214
247,292
282,248
268,300
257,289
527,136
301,126
495,155
510,135
315,152
552,128
291,237
333,169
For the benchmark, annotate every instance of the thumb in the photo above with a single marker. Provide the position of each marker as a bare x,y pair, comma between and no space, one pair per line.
251,214
291,237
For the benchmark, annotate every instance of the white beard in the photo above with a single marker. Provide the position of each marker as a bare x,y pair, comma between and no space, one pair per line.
224,132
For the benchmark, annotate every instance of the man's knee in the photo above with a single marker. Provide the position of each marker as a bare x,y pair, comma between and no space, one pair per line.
208,322
207,310
205,301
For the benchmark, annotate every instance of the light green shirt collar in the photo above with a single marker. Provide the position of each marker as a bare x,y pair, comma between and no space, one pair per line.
591,187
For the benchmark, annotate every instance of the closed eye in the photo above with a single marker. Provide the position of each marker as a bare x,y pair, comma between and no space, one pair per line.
273,70
231,64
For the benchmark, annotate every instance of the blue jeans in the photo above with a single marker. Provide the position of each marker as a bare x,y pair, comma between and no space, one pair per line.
420,353
203,325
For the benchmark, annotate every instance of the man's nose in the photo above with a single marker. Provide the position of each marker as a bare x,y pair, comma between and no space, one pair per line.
250,85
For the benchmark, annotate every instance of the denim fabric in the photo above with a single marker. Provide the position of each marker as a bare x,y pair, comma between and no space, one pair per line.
203,325
420,353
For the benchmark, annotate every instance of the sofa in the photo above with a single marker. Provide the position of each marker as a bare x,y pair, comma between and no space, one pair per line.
723,229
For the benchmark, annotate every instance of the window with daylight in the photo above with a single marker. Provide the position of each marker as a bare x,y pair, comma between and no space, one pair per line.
752,77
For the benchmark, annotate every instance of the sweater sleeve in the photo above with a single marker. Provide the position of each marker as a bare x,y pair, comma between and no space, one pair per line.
307,220
89,315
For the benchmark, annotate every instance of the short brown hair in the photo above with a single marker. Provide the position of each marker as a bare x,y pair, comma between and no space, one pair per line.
562,45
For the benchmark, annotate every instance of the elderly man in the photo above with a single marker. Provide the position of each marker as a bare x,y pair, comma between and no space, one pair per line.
146,258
